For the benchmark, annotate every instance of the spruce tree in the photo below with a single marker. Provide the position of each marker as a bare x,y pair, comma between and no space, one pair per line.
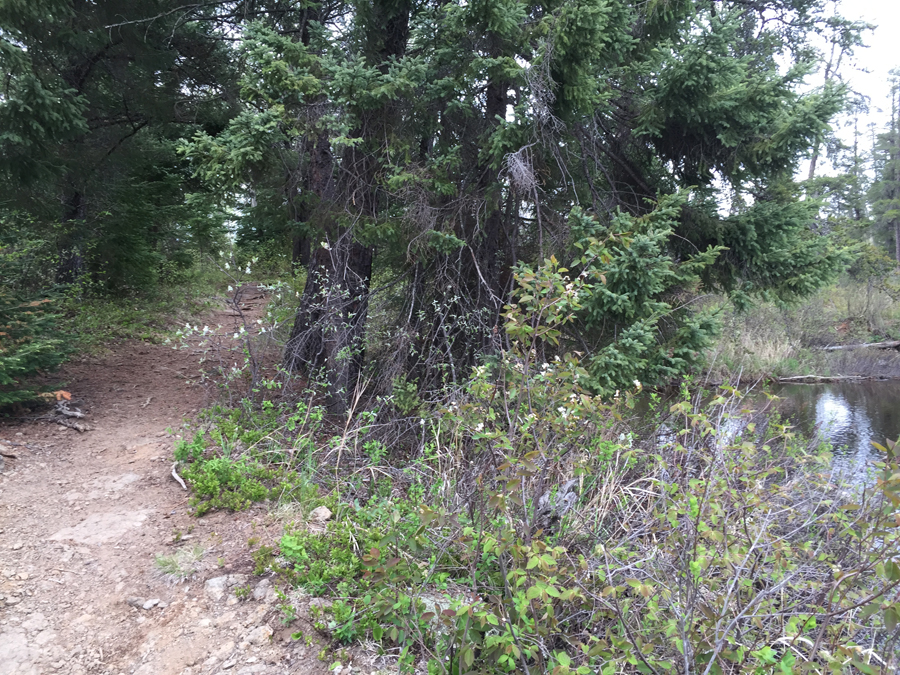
443,145
885,192
471,138
91,111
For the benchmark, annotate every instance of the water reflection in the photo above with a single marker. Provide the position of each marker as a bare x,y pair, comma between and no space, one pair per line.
850,415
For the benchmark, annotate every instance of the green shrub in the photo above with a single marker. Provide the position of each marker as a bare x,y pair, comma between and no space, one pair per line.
327,563
223,483
225,466
708,553
29,345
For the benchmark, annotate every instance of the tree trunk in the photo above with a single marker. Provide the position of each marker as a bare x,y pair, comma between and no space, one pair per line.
329,328
300,253
487,243
71,255
897,241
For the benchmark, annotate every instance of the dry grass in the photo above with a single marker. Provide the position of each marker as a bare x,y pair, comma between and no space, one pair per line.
767,340
179,566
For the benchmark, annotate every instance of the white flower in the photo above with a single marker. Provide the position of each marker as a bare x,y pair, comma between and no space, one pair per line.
325,245
639,386
235,336
230,289
227,266
247,271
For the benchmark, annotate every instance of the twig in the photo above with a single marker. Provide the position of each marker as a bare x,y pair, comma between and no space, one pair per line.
177,477
801,379
891,344
64,409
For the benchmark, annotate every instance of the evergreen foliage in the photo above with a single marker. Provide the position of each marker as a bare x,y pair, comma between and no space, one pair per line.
29,345
29,341
89,117
439,145
473,136
885,192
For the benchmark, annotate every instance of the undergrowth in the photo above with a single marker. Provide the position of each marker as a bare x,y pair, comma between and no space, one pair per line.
517,523
94,319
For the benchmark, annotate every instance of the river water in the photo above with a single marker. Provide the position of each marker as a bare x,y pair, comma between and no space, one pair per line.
850,415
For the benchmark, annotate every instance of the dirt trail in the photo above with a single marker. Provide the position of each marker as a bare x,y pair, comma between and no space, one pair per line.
82,516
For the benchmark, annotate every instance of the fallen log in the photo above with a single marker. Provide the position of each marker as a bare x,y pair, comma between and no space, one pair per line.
891,344
821,379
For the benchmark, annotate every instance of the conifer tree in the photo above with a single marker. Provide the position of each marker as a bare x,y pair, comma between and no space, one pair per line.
472,138
886,189
444,146
90,113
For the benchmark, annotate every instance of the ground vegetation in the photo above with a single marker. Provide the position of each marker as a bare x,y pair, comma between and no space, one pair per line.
482,229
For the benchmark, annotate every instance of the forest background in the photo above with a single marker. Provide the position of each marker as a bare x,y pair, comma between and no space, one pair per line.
484,227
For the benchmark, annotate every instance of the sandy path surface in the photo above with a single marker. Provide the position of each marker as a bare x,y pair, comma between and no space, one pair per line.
82,516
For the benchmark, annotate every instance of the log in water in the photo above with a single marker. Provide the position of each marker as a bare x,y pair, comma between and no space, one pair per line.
891,344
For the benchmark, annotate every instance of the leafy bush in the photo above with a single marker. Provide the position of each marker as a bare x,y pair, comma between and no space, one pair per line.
223,483
327,563
241,459
531,531
710,552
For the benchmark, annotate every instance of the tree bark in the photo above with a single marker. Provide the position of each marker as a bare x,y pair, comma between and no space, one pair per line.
897,241
71,255
329,328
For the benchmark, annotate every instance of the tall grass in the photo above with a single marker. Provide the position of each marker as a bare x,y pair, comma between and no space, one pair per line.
779,341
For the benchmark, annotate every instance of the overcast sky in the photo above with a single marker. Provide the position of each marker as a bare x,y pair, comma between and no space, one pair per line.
882,55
